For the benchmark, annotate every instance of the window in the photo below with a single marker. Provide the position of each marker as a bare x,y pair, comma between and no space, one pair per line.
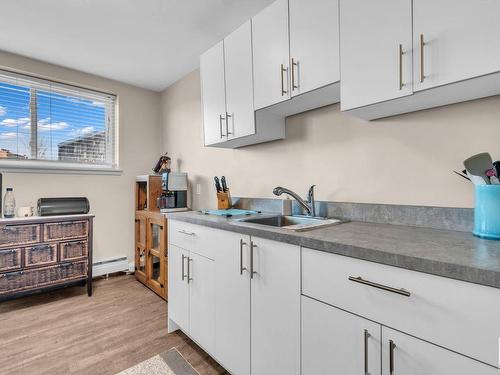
48,124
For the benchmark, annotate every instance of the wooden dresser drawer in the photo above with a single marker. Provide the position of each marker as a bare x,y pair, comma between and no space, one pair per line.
457,315
10,259
39,255
41,277
67,230
13,235
196,238
73,250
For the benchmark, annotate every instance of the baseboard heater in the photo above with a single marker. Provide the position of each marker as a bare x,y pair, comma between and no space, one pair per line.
109,266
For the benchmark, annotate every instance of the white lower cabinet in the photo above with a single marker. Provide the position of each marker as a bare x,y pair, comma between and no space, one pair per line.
242,307
275,311
202,301
337,342
178,288
191,304
406,355
232,303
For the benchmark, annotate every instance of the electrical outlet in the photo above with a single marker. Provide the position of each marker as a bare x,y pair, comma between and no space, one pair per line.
198,189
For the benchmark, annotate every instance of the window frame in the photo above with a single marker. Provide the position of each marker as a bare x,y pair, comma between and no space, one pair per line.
57,166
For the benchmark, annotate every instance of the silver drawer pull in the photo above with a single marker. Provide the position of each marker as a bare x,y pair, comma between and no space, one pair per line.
360,280
186,232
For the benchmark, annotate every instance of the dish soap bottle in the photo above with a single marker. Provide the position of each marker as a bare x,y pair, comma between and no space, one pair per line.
9,204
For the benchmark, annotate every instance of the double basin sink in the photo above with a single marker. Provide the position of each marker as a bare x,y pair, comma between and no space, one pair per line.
295,223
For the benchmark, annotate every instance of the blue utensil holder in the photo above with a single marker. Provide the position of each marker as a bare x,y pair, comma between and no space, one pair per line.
487,212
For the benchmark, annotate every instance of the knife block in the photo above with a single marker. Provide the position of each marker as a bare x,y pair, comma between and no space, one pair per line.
224,200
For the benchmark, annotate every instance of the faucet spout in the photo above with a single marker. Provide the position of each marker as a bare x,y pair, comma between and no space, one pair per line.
306,205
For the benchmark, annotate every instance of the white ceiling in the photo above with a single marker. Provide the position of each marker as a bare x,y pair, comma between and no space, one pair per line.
147,43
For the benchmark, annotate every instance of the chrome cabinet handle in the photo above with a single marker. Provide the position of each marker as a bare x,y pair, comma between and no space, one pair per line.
186,232
294,65
183,276
242,243
189,278
392,346
422,44
252,246
283,70
360,280
221,118
366,336
401,53
227,123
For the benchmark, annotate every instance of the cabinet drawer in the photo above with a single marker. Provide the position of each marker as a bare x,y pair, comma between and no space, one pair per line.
12,235
73,250
40,255
457,315
62,231
40,277
192,237
10,259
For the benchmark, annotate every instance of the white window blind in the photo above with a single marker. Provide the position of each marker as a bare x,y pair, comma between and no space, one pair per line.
46,121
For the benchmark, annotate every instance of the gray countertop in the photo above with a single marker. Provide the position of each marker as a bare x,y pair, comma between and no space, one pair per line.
447,253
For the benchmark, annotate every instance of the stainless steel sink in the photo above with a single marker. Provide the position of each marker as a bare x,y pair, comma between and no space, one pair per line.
295,223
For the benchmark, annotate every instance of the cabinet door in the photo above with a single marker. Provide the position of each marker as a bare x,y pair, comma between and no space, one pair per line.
314,44
458,40
232,303
335,341
178,288
201,279
271,55
140,246
213,94
411,356
157,248
371,34
239,82
275,308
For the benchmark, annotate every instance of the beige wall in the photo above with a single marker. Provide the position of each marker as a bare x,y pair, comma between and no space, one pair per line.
111,197
406,159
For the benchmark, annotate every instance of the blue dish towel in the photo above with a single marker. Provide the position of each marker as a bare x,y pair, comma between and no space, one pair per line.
230,212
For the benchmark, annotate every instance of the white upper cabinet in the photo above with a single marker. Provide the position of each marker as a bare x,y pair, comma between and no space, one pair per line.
314,44
213,94
239,83
454,40
375,51
271,55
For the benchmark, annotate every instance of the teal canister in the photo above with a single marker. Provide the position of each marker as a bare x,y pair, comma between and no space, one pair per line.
487,212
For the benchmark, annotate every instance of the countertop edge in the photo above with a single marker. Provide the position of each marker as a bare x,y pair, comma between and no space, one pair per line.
458,272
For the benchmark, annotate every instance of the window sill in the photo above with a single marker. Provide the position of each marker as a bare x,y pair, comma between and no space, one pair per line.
33,166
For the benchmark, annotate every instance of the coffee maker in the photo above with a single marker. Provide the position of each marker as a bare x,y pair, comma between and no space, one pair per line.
174,187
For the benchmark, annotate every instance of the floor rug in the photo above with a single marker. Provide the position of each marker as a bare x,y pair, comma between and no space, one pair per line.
170,362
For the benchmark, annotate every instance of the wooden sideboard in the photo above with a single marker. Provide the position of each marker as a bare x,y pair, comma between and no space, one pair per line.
44,253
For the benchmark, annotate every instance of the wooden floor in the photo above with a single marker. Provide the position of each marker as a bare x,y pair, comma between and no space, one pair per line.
66,332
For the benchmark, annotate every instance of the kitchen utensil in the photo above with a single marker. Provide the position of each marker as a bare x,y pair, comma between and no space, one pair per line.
462,175
477,165
496,165
217,184
224,184
476,180
490,172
